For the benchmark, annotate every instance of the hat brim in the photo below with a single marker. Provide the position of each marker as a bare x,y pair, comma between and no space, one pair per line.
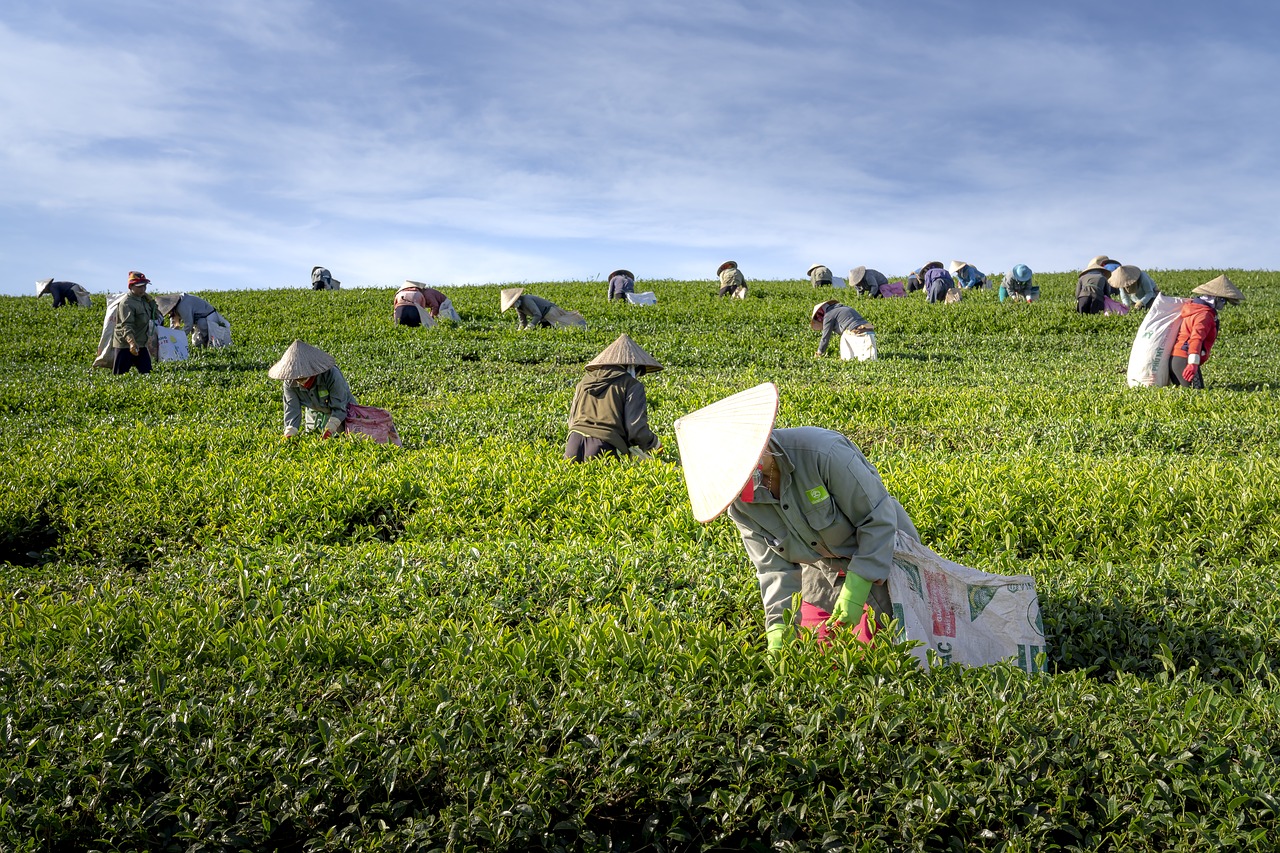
720,445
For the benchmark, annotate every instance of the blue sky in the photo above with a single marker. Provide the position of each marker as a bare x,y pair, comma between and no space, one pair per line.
235,144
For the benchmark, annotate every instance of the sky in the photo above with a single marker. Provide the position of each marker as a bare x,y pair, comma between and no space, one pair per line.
228,144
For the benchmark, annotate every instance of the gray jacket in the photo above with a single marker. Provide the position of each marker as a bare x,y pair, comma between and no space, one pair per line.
836,321
832,515
194,311
532,309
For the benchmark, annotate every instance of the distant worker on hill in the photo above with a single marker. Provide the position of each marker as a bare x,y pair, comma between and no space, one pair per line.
812,512
833,319
621,282
867,281
819,276
134,336
732,281
610,413
1092,288
1198,329
937,283
64,293
535,312
1018,286
915,281
438,305
1134,286
967,276
313,382
321,279
190,313
409,307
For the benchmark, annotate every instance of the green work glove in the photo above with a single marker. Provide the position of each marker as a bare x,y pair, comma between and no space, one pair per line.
852,598
778,635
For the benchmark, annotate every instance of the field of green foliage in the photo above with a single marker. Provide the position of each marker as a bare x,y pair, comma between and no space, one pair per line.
214,640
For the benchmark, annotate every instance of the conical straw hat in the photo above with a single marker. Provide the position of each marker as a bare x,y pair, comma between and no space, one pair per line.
955,266
720,444
727,265
1126,275
42,286
627,273
810,270
856,275
814,322
1100,263
166,302
411,285
509,297
299,361
625,352
1221,286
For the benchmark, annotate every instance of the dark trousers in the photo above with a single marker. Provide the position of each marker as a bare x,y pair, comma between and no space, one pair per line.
579,448
1177,364
1089,304
125,360
407,315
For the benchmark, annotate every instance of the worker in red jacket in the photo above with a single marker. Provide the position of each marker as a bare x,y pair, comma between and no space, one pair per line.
1198,329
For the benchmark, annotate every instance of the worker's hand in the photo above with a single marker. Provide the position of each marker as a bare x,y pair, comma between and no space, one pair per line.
778,635
1189,373
133,349
818,354
853,596
326,434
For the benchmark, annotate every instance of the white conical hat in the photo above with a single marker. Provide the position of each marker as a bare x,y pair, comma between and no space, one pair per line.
1126,275
720,444
1223,287
509,297
625,352
42,286
411,285
166,302
856,275
956,266
299,361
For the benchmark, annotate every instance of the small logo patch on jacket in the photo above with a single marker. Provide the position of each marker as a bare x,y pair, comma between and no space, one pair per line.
817,495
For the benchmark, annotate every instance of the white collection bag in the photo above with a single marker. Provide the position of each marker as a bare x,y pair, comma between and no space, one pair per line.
858,346
1153,345
105,356
173,343
964,615
219,330
448,312
646,298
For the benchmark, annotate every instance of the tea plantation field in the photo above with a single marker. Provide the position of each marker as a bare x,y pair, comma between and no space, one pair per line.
214,640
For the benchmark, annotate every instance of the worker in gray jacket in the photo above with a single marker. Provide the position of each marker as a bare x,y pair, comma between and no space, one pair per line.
833,320
188,312
867,282
312,380
533,310
812,512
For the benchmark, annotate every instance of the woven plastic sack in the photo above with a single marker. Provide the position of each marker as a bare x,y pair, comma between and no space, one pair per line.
173,343
963,615
646,298
893,288
105,356
371,421
559,317
1112,308
1153,345
858,346
219,330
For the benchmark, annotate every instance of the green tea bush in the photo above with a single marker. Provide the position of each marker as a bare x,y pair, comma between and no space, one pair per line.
212,639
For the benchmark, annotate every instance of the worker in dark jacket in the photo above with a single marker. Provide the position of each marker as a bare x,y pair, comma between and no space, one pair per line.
833,320
610,414
867,282
64,293
1093,287
621,282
